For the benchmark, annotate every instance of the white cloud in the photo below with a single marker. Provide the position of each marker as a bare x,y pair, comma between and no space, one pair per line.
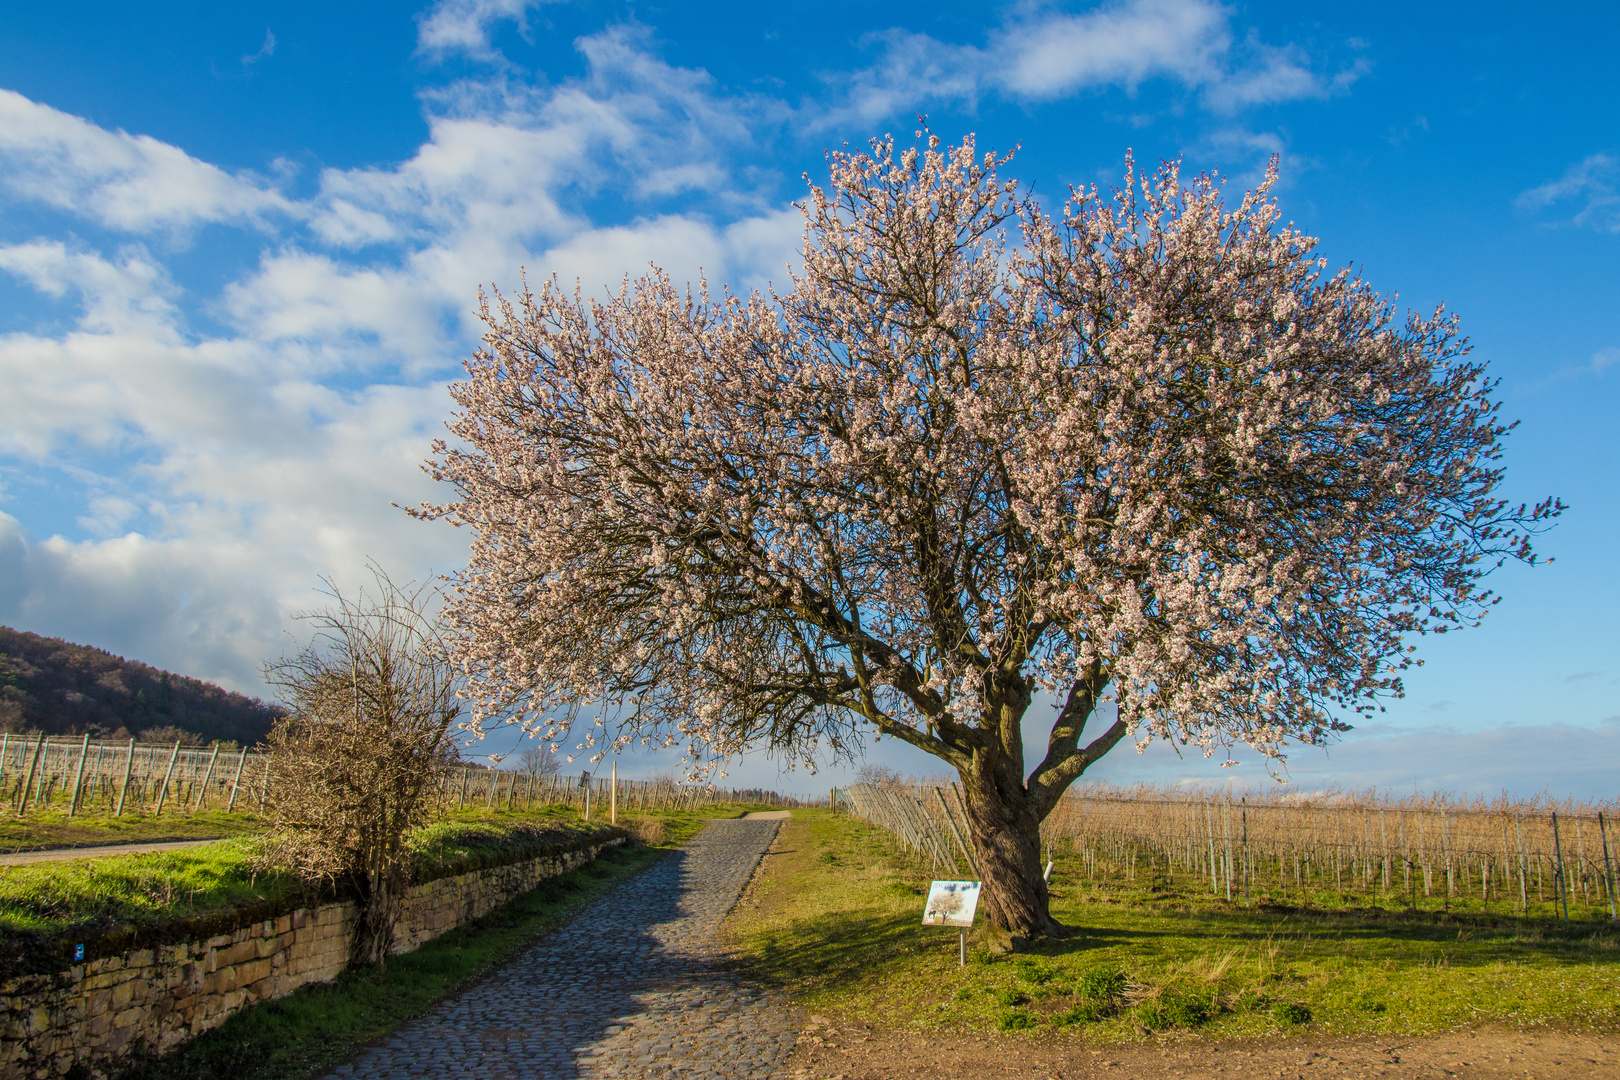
132,183
1593,186
1042,55
267,50
453,27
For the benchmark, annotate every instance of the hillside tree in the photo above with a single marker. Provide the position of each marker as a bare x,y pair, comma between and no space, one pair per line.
1150,457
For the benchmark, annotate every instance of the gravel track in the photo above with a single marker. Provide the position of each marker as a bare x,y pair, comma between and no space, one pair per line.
636,986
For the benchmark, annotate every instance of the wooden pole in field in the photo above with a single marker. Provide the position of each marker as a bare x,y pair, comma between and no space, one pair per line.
28,781
123,789
202,788
1245,852
236,781
950,819
78,775
163,792
1608,870
613,797
1558,866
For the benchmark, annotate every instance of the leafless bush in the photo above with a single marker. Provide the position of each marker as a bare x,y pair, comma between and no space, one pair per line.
537,761
646,830
370,701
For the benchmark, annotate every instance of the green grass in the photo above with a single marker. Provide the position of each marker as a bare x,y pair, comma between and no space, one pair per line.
52,829
836,922
315,1028
86,899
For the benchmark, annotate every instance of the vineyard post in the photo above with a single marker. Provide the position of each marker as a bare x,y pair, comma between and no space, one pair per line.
1524,884
1214,867
123,788
613,797
202,788
1245,852
236,781
1608,871
43,770
163,792
33,766
1558,869
950,819
78,775
1226,830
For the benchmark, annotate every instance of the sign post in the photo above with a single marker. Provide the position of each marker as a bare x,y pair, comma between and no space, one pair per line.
953,903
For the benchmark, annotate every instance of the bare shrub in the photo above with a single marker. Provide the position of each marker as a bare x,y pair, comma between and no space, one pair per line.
354,763
646,830
537,761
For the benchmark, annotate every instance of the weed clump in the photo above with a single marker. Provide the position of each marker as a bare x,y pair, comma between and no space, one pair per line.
1173,1009
1290,1013
1016,1020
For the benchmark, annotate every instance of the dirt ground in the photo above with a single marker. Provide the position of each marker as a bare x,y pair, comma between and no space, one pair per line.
841,1050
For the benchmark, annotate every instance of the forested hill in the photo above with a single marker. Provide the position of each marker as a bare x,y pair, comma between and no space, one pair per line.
67,689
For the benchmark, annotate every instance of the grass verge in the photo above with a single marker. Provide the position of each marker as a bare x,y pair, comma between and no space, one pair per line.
53,829
313,1029
121,898
835,920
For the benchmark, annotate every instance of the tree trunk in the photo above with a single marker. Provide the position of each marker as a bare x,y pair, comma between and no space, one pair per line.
1007,842
380,909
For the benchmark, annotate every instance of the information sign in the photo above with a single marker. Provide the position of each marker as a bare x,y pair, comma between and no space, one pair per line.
951,903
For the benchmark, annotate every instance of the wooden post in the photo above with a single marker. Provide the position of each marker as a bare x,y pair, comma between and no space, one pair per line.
613,798
163,792
1245,852
1558,866
78,775
28,781
236,781
950,819
1608,871
123,789
202,788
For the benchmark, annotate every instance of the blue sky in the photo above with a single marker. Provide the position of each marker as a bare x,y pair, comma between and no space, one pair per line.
239,246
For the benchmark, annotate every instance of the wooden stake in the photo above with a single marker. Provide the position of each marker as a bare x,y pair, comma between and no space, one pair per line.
613,798
1558,866
129,764
1608,871
78,775
202,788
163,792
236,781
28,782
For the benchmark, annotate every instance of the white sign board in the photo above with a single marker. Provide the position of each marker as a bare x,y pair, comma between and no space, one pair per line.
951,903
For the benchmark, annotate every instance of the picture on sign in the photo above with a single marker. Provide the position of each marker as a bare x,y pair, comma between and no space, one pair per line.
951,903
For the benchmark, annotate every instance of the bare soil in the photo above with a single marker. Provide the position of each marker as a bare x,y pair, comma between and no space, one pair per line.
832,1047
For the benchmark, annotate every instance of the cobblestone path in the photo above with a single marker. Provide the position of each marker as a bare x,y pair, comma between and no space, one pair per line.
633,988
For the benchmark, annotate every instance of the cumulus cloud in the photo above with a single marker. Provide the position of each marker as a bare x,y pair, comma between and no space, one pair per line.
131,183
1043,54
1590,188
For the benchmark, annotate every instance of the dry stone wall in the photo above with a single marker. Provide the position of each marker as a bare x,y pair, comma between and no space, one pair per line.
85,1019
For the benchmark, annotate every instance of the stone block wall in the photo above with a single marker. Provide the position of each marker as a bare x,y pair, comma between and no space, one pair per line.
88,1017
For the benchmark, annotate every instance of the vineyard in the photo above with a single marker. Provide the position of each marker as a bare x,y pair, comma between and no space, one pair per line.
1335,851
77,776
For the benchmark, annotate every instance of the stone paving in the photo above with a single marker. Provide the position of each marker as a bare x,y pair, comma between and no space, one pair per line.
635,987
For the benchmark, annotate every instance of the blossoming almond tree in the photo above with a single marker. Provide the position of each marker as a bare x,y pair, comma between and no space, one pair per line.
1152,453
